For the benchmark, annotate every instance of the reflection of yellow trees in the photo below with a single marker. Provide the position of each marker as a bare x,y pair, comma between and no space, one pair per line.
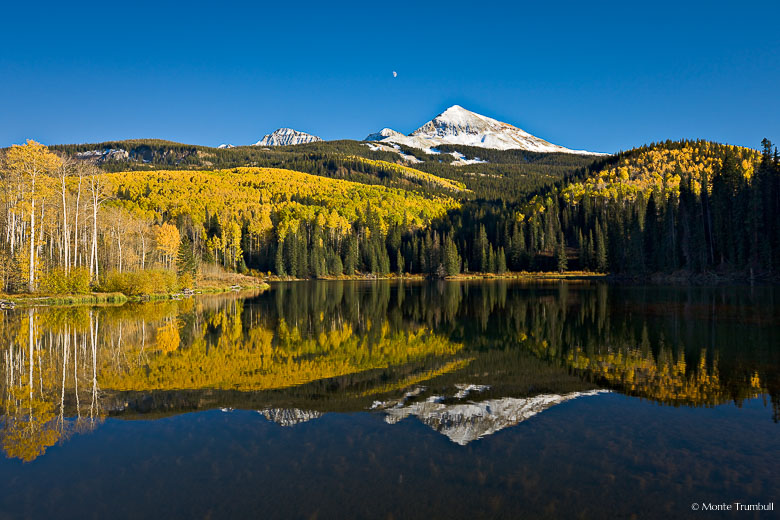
661,377
251,360
29,424
49,363
51,360
168,338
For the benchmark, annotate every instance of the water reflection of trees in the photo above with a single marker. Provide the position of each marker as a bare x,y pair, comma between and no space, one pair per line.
78,356
692,346
61,366
50,379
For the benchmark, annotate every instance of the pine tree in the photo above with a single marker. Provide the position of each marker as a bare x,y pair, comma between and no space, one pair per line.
636,254
335,266
482,249
451,257
279,260
650,235
185,259
351,261
583,254
591,250
501,261
563,261
601,249
517,249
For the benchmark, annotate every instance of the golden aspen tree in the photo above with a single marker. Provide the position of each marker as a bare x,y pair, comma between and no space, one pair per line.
32,161
168,239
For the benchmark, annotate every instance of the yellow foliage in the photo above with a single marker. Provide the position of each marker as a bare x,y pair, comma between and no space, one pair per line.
168,239
411,173
261,197
659,170
168,338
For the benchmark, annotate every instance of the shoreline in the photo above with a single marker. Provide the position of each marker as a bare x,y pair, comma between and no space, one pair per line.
117,298
677,279
515,275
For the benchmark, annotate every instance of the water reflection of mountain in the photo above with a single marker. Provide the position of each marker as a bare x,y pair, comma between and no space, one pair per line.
464,422
289,416
338,346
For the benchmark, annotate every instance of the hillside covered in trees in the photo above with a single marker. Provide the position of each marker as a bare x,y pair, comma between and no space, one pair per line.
505,174
73,224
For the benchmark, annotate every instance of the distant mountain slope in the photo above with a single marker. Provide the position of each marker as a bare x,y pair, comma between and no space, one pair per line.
458,126
506,174
287,137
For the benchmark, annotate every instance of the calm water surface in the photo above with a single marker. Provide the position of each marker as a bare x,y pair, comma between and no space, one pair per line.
391,400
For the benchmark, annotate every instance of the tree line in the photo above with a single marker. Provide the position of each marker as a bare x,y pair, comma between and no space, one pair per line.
691,205
727,219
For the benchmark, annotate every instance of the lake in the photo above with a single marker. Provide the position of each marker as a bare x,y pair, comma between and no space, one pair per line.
384,399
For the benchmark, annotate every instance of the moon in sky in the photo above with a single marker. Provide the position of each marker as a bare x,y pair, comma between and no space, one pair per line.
395,74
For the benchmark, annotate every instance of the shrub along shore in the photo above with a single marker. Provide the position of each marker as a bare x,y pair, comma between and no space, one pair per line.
73,288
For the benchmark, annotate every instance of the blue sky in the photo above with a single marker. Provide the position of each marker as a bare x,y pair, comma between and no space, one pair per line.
585,75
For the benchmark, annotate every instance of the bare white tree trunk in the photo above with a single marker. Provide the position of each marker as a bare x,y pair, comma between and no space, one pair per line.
65,231
93,259
143,250
76,223
31,281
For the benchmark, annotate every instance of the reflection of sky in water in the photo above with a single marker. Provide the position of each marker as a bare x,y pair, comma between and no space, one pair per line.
601,456
476,399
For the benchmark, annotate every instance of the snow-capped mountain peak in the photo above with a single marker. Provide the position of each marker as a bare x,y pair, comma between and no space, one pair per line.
459,126
456,120
382,134
287,136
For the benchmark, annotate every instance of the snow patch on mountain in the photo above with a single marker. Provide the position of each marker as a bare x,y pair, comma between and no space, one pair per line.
458,126
225,145
460,159
287,136
393,148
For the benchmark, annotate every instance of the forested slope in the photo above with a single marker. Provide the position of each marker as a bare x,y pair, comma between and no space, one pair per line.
695,206
506,174
682,207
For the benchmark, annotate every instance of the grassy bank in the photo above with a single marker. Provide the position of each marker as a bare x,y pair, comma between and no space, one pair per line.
523,275
225,282
28,300
531,276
